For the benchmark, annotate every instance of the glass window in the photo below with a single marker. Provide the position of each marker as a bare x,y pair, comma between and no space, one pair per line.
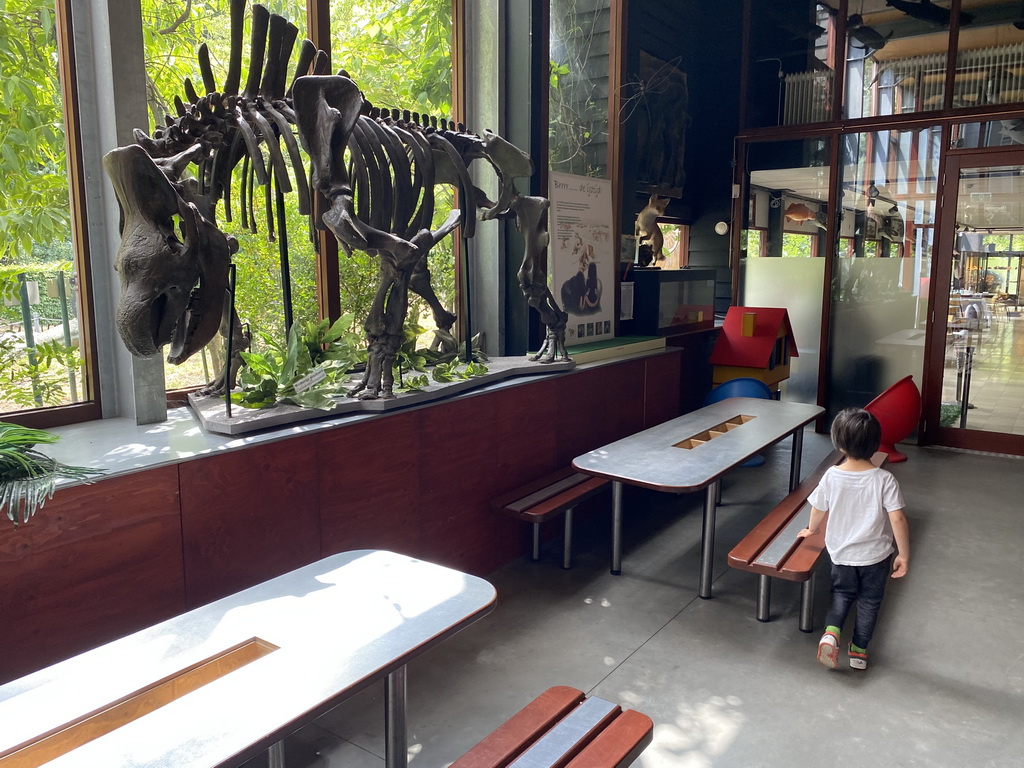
578,87
400,55
792,62
676,248
882,262
788,193
41,318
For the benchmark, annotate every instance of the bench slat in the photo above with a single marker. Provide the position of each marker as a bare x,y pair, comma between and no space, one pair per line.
510,739
556,747
744,554
549,496
618,745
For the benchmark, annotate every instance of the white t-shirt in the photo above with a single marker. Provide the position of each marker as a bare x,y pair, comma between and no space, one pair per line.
858,505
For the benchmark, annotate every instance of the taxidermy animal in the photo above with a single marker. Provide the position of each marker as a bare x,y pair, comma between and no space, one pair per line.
869,38
926,10
799,212
376,168
647,228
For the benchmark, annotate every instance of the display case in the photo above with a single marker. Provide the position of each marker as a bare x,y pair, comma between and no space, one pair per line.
670,301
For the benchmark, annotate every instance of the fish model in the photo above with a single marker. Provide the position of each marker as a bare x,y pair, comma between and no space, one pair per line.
870,39
799,212
926,10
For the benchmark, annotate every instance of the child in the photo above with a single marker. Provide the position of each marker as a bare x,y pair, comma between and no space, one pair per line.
865,516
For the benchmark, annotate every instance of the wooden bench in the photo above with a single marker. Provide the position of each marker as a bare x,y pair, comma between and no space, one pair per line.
556,494
563,728
773,550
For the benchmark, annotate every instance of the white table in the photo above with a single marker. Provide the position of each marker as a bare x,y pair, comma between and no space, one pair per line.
325,632
655,459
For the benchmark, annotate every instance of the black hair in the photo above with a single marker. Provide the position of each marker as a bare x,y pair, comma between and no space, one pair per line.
856,433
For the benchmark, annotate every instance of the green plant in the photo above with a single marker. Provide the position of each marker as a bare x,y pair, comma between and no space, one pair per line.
311,367
448,372
27,477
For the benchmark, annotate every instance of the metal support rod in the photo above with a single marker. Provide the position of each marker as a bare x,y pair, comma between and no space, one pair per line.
616,528
794,465
707,540
228,347
65,320
396,751
30,341
567,540
807,605
535,550
467,304
275,755
959,372
764,598
282,249
966,398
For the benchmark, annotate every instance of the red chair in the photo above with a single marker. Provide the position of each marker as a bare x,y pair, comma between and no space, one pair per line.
898,410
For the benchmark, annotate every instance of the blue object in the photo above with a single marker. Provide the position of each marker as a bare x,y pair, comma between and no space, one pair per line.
741,387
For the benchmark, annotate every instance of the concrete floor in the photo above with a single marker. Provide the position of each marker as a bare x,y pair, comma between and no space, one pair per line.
945,687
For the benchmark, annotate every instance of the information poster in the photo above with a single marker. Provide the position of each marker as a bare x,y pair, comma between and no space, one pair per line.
584,256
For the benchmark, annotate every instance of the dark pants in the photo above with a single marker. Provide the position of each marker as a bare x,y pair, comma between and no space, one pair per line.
865,585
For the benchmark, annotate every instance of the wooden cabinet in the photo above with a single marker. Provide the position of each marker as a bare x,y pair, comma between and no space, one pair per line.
103,560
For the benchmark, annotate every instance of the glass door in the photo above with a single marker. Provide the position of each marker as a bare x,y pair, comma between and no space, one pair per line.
975,396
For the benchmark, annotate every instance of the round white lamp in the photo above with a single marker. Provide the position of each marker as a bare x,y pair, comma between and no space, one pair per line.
722,227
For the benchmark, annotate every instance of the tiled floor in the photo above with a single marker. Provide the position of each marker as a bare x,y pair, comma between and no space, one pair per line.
945,688
997,376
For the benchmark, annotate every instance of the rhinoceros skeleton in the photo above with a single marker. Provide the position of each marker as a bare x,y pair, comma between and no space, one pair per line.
375,169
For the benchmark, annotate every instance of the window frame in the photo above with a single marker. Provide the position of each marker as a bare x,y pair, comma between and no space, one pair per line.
90,408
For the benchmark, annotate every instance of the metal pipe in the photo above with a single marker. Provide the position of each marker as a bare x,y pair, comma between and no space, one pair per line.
616,528
30,341
764,598
707,540
65,319
282,249
807,605
229,351
797,457
275,755
396,751
567,540
965,401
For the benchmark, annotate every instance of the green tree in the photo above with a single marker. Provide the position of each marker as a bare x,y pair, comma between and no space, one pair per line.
34,204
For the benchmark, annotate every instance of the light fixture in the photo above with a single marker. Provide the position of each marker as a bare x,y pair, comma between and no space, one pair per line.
722,227
894,210
872,194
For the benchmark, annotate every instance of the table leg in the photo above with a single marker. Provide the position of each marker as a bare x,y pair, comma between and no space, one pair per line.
275,755
707,540
794,467
567,540
396,750
616,528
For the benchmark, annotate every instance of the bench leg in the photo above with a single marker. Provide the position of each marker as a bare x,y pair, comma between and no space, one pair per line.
396,747
707,540
764,598
616,528
567,540
275,755
807,605
535,551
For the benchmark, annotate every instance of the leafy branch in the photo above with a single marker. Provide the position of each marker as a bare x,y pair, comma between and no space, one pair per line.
27,477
